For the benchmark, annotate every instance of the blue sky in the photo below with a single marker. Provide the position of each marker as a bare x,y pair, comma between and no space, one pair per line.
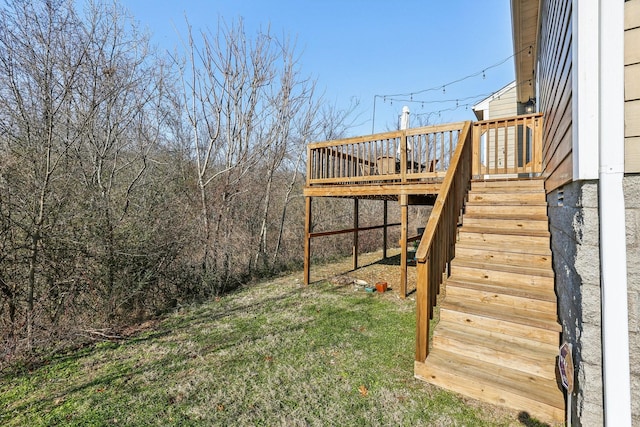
357,49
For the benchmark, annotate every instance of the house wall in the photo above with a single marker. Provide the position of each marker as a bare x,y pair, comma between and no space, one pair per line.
632,85
555,90
574,226
632,191
574,216
632,204
504,105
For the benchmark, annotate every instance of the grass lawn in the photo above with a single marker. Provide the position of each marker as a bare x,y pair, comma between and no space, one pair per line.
274,353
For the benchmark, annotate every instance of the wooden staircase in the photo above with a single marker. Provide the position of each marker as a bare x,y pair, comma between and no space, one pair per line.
497,338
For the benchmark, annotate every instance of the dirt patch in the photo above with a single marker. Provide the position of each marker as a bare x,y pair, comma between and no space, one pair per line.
372,268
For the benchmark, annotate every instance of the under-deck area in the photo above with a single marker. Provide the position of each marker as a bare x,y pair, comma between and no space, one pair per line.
406,167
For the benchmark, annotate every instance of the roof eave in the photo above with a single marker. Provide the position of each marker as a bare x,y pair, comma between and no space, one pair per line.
525,24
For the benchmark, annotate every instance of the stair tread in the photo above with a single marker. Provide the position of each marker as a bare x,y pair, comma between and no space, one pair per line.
514,315
509,183
474,374
498,277
499,256
514,203
521,248
506,211
523,355
530,292
507,216
523,194
515,223
526,269
507,190
517,344
508,231
534,305
545,336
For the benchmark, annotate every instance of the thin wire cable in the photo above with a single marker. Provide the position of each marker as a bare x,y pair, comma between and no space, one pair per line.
443,86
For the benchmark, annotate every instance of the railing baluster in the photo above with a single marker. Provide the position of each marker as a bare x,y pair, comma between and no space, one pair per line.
505,149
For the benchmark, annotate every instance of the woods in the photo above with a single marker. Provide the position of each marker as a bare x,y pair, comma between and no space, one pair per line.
133,181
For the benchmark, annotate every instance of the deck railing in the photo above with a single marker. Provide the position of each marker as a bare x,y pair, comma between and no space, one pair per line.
425,153
436,248
508,146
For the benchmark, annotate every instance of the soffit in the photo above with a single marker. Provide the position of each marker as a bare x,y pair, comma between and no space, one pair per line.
524,21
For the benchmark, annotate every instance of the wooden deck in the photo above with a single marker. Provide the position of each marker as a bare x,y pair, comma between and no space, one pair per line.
407,166
498,333
409,161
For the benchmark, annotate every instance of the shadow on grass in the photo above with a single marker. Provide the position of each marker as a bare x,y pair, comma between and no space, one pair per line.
527,421
125,370
392,260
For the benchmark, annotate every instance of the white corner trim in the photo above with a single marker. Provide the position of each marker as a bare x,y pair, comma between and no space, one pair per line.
585,96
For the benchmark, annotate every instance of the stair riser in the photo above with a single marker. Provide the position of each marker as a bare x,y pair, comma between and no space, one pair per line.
507,224
503,356
507,198
517,210
463,262
509,328
535,305
537,294
537,245
522,185
513,279
487,393
503,377
498,257
522,344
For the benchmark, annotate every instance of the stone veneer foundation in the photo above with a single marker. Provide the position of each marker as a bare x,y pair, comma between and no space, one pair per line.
574,226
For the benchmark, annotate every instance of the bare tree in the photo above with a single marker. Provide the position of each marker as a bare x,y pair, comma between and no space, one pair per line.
127,186
40,49
292,102
118,99
80,118
242,95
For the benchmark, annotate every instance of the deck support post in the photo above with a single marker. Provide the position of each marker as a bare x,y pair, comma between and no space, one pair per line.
356,206
422,311
384,233
307,240
404,214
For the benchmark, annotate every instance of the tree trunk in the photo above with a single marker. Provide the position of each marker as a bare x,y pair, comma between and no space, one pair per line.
287,198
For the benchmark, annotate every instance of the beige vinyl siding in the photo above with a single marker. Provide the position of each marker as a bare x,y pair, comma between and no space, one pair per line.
632,86
504,106
555,91
501,145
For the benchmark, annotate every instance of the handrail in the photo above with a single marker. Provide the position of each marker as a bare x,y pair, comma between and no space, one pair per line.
437,244
400,156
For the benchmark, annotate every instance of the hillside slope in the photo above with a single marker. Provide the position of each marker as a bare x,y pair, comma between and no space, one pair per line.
273,353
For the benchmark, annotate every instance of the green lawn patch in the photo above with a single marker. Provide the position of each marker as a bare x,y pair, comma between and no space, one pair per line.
275,353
